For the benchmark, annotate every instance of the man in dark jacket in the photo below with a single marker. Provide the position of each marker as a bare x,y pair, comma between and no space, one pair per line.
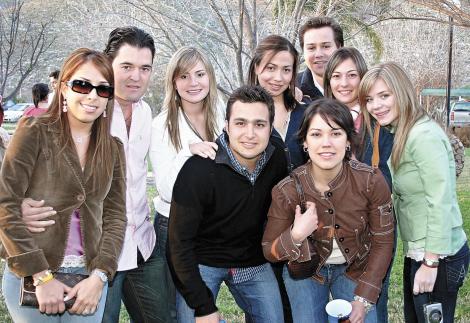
319,37
218,212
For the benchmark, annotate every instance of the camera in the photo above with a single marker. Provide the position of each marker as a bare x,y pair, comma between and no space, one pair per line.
433,313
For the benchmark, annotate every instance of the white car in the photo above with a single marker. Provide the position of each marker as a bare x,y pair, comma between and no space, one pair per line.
460,114
14,113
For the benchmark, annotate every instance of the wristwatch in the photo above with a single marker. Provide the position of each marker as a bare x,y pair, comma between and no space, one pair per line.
101,275
367,304
431,263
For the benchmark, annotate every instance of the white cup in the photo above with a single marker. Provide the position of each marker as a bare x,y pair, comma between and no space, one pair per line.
338,310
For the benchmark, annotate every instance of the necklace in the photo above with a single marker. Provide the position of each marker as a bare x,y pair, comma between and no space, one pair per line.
80,139
191,126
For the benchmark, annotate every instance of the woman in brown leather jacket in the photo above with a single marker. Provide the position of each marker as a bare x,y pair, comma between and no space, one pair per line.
348,217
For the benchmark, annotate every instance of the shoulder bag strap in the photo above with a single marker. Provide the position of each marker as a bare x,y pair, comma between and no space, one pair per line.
375,152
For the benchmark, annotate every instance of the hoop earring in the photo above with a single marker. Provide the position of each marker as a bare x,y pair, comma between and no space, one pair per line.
305,149
348,148
64,105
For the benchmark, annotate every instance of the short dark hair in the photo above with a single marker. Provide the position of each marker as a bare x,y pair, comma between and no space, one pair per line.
132,36
54,74
330,110
272,45
40,92
320,22
250,94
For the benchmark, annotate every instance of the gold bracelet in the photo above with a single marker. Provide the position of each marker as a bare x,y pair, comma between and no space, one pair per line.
48,276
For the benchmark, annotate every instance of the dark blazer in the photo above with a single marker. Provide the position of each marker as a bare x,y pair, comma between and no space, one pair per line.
36,166
293,147
305,83
385,150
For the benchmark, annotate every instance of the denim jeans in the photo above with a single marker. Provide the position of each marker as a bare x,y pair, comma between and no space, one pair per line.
382,302
259,297
25,314
450,276
308,297
147,291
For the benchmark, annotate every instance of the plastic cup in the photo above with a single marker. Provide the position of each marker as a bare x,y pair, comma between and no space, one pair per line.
338,310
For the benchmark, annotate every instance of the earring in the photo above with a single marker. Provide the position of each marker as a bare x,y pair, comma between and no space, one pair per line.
348,148
64,105
305,149
104,113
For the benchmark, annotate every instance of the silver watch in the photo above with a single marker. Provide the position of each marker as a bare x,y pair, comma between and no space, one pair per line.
101,275
367,304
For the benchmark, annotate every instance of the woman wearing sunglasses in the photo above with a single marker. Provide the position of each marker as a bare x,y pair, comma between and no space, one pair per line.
188,125
67,158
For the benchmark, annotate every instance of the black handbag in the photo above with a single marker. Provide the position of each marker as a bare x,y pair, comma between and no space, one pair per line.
28,290
305,269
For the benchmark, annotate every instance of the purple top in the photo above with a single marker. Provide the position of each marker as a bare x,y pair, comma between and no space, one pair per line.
74,242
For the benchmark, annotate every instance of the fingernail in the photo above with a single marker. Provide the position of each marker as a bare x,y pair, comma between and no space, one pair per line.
53,222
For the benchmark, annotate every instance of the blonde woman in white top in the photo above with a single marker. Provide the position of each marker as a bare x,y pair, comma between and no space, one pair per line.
188,125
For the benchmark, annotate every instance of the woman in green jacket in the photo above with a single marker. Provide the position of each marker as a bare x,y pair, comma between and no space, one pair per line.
424,193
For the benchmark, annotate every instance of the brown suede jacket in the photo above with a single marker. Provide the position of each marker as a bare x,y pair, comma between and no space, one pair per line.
357,211
36,166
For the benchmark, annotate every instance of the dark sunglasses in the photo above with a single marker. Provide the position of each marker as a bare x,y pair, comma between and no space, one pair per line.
85,87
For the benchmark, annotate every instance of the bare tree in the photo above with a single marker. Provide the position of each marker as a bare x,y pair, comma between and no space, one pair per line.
22,43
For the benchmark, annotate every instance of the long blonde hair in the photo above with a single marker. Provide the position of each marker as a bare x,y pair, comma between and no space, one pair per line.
406,103
182,61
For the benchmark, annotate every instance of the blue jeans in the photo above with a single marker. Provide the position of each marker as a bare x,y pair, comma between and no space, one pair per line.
259,297
147,291
450,276
382,302
25,314
308,297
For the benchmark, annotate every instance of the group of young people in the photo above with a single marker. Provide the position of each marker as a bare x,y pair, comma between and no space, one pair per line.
232,185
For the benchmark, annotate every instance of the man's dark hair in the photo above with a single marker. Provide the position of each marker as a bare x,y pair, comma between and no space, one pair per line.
320,22
251,94
54,74
132,36
40,92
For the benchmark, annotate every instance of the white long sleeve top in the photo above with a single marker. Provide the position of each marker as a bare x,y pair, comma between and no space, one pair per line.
166,161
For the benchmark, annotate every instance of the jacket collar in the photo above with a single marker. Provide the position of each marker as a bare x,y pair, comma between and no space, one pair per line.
307,85
222,157
334,183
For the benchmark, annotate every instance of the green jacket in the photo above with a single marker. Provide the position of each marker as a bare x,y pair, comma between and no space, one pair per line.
424,192
36,166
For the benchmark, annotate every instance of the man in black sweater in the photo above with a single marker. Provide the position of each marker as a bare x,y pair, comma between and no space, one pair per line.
218,213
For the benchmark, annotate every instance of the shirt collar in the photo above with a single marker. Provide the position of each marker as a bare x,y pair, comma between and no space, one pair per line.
226,156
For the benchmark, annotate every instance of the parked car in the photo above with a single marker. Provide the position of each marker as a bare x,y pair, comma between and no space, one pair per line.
14,113
459,114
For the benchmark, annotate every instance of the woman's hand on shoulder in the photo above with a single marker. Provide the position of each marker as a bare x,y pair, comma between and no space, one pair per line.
88,294
50,296
205,149
304,223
